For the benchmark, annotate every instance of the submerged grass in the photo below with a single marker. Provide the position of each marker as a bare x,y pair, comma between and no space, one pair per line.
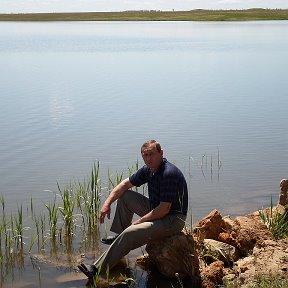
69,222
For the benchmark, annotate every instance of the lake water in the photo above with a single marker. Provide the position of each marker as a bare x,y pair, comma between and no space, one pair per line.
209,92
75,93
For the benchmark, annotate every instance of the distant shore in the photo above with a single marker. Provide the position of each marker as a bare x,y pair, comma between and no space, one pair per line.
256,14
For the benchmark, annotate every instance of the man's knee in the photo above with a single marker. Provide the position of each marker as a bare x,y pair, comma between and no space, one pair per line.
126,198
133,237
127,194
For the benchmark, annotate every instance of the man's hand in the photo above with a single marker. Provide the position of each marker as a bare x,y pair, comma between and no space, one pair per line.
105,210
115,194
157,213
137,222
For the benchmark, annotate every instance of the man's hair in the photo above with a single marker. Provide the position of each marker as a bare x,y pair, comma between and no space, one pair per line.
149,142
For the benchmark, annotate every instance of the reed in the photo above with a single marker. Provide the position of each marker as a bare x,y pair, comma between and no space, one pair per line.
19,228
276,222
210,165
73,211
87,197
53,217
114,182
1,235
96,193
67,210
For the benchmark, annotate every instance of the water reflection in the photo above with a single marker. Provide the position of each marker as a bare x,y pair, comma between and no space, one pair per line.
61,106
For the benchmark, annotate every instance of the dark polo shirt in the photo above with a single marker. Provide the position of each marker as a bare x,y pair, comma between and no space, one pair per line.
168,184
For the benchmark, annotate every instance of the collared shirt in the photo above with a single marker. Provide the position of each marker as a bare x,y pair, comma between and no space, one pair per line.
168,184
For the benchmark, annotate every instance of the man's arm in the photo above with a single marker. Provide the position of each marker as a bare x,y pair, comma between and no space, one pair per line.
157,213
115,194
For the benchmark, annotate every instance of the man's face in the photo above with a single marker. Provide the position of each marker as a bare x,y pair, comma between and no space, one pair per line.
152,157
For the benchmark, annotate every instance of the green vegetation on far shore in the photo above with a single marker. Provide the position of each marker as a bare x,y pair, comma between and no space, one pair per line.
193,15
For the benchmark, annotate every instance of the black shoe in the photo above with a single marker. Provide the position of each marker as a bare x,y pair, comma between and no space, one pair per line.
89,270
109,240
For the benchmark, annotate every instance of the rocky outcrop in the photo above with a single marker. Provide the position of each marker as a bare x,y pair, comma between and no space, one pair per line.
247,232
283,198
216,250
243,233
219,246
212,225
176,254
270,259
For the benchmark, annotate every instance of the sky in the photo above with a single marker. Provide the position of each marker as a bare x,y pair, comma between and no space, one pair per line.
26,6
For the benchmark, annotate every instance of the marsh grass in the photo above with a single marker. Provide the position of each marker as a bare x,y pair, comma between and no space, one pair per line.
67,223
209,165
276,222
53,217
67,209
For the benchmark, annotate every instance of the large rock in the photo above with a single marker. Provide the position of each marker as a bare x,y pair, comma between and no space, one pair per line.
243,233
283,198
212,275
176,254
211,225
216,250
250,231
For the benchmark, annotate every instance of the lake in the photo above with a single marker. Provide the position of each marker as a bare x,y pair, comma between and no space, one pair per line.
212,93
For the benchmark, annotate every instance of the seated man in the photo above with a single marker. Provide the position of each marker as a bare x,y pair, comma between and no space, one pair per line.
162,214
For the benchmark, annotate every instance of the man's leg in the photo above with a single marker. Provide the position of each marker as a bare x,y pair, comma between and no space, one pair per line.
129,204
137,235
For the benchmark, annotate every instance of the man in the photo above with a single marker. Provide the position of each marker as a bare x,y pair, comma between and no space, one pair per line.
163,214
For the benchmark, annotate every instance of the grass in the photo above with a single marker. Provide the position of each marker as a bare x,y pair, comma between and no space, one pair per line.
276,222
193,15
68,223
275,281
262,281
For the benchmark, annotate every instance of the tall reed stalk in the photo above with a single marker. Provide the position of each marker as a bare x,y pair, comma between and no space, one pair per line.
276,222
53,217
19,228
78,198
67,210
96,192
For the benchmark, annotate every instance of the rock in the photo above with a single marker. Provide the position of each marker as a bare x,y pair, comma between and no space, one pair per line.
221,251
271,259
229,238
211,276
248,232
211,225
176,254
246,236
229,223
243,233
283,199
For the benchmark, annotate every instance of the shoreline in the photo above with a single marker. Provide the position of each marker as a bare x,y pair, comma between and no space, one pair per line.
255,14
